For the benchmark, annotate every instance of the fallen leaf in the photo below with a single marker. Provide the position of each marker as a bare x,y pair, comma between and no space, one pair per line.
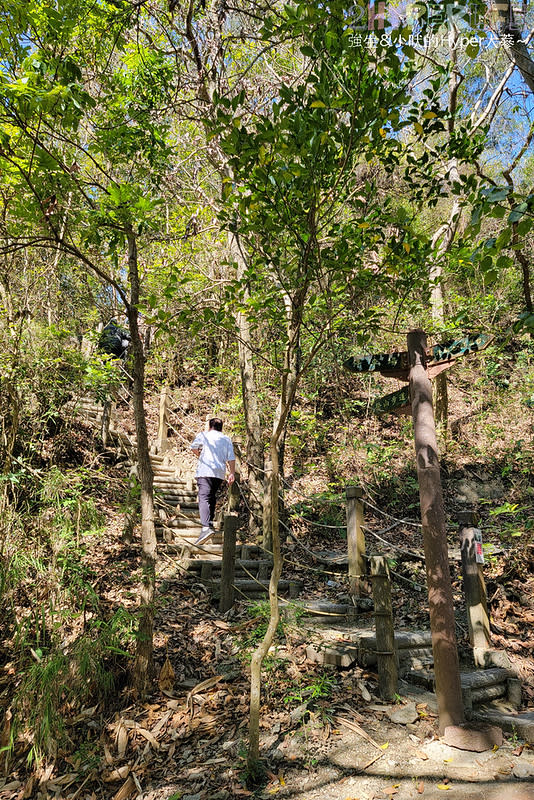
391,790
364,691
422,755
127,789
121,740
116,774
149,737
447,760
420,787
166,676
203,686
384,746
11,787
443,787
107,756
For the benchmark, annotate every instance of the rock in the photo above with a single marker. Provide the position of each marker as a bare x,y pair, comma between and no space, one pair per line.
404,714
487,657
523,771
471,490
297,713
229,744
473,737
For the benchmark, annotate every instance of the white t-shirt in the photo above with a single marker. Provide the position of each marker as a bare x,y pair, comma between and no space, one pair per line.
216,450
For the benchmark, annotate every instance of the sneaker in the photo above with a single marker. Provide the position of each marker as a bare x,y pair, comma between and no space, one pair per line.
205,534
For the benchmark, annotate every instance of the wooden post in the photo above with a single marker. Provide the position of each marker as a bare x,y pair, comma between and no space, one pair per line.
162,422
228,563
476,601
355,539
442,625
233,488
385,632
233,493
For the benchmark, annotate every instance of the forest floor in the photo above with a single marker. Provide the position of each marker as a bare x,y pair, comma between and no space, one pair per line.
325,733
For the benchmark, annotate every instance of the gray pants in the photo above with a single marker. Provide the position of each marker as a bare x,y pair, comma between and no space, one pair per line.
207,495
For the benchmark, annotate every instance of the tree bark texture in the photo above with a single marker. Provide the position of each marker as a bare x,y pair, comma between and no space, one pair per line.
263,648
289,384
442,624
143,667
254,442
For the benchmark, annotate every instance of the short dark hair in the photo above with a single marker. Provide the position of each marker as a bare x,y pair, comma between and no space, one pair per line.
215,424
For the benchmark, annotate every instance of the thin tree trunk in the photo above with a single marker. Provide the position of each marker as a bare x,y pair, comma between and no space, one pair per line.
144,654
525,273
254,442
290,377
442,241
263,648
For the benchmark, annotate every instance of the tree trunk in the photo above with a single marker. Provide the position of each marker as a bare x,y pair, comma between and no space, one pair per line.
525,274
263,648
254,442
442,241
144,654
289,382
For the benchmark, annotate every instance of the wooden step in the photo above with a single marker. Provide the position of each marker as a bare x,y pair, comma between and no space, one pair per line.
174,491
255,588
517,723
187,548
478,686
261,566
172,501
175,525
179,523
414,649
173,482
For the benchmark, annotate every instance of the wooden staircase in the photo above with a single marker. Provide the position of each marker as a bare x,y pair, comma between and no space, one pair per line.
178,527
